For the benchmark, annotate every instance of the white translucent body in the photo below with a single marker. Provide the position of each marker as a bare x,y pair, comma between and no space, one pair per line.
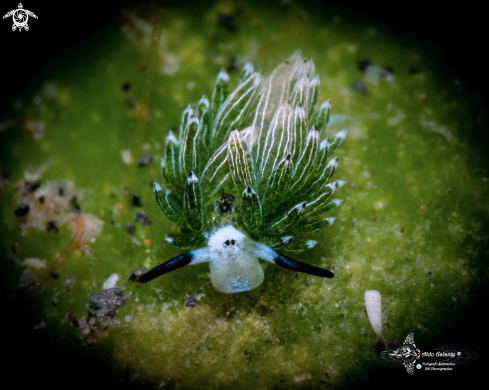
233,258
234,268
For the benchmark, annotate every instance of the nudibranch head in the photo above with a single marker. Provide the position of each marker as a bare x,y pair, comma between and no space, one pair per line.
250,173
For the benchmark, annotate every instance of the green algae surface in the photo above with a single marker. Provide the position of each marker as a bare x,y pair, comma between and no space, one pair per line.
413,223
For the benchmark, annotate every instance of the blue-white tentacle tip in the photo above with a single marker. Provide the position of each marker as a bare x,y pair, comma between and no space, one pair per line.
341,136
311,244
223,77
337,202
333,163
330,220
192,178
171,137
156,187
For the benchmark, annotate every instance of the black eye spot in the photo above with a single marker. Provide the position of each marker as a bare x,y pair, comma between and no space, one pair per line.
232,242
227,242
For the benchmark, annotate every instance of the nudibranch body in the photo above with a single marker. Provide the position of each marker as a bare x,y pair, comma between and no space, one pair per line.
249,174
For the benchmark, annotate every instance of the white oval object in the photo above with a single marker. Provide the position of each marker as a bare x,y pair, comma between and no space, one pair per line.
111,282
373,304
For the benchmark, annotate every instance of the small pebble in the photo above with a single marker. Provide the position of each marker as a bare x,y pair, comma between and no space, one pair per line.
73,319
52,227
101,304
75,206
136,200
360,87
362,64
233,64
32,186
69,282
91,342
86,250
27,279
190,301
141,218
41,325
22,210
110,282
130,228
137,273
34,263
227,21
35,128
126,156
145,159
423,207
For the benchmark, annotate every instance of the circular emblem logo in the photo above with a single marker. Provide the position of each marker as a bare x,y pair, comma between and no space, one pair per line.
20,17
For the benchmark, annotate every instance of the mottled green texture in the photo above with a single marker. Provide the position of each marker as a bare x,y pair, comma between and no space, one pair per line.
415,201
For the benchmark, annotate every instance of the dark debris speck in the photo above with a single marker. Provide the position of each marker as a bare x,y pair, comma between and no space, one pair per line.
75,206
5,174
52,227
393,343
228,21
414,70
360,87
73,319
31,186
225,204
105,303
142,218
126,87
61,191
145,159
379,345
137,273
233,64
130,228
22,210
363,64
190,301
91,342
428,274
136,200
